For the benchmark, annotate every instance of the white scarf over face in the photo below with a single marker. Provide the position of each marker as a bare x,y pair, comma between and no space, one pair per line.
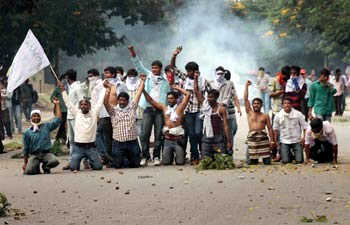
35,125
172,112
132,83
206,112
290,115
189,84
290,87
219,79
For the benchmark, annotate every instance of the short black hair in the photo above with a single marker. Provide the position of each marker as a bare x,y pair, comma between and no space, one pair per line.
94,72
173,93
85,100
325,72
63,76
123,95
296,68
111,69
157,63
316,124
227,75
259,100
261,69
287,99
285,70
214,92
119,69
220,68
338,70
167,68
131,71
191,66
72,74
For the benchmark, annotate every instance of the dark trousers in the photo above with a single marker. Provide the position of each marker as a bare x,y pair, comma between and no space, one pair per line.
194,129
6,123
27,108
129,150
62,130
322,151
338,105
152,118
305,108
107,133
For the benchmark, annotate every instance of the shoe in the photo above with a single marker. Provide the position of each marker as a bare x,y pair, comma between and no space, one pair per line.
195,162
143,162
46,169
86,165
67,167
156,161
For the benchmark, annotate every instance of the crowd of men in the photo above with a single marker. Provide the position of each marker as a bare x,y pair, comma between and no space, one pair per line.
110,120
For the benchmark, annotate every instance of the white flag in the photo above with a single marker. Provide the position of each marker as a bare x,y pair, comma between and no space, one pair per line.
29,60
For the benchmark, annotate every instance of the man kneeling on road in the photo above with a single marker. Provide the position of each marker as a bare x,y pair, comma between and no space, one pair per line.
173,131
37,143
290,123
321,142
84,131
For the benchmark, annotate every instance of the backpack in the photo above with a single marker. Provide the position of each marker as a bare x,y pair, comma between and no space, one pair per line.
35,96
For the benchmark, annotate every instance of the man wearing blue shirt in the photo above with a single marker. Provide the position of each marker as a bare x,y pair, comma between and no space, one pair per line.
37,143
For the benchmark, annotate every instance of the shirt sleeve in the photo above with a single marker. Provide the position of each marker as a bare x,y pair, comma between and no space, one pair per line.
54,123
139,66
308,138
133,105
69,105
276,122
304,125
331,133
26,148
97,108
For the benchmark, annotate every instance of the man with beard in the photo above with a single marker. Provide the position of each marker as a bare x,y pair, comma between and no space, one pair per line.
84,131
258,142
37,143
173,131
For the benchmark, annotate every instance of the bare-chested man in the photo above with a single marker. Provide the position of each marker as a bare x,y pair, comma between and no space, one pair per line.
258,142
173,131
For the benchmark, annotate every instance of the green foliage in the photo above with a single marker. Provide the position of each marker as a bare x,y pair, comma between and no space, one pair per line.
76,27
220,162
304,219
13,145
58,149
4,205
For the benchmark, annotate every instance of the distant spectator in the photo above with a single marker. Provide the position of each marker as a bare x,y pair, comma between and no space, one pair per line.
16,109
5,113
263,85
27,98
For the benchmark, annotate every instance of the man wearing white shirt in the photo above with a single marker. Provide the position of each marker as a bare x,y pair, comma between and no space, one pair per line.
75,95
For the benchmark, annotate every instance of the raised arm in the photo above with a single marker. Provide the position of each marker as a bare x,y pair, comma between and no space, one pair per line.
248,109
98,106
106,102
173,57
137,62
181,108
66,100
196,90
140,89
152,102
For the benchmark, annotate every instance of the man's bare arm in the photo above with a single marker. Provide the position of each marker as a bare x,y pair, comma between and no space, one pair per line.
248,109
107,85
196,90
269,128
155,104
181,108
173,57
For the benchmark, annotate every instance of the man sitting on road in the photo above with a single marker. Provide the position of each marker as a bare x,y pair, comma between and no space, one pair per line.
258,142
321,142
173,131
37,143
84,131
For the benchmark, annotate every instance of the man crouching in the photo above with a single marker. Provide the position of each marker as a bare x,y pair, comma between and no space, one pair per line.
37,143
84,131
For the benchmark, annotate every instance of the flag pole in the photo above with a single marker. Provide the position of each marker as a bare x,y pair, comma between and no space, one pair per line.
54,73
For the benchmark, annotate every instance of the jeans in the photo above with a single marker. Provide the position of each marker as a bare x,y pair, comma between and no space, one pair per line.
287,155
17,116
49,161
232,130
324,117
101,149
322,151
107,133
84,152
27,109
194,128
171,147
139,125
249,161
62,131
128,149
213,145
6,123
265,96
151,118
71,123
